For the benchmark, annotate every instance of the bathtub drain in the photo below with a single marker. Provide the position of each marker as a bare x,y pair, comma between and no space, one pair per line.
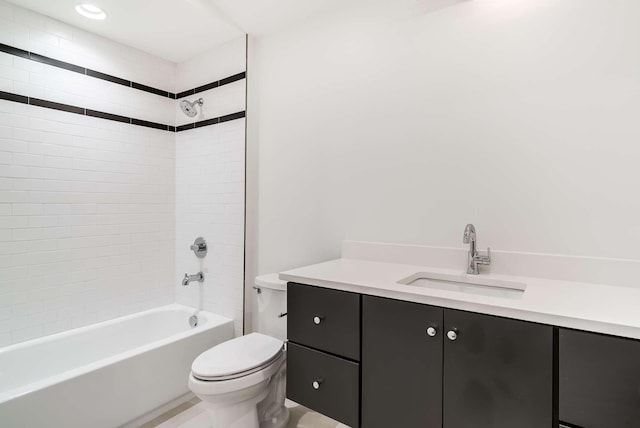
193,320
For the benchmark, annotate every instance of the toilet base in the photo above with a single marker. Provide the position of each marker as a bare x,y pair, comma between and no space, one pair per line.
277,421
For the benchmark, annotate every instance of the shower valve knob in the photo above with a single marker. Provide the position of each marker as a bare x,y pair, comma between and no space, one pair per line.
199,247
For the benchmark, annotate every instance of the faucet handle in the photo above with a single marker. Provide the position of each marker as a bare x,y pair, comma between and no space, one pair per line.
199,247
484,260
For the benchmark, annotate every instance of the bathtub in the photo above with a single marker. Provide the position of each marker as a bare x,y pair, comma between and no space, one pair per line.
107,374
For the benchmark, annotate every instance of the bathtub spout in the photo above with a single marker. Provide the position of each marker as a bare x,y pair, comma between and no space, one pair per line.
191,278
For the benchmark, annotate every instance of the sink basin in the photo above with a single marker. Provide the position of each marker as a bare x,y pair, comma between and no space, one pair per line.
469,284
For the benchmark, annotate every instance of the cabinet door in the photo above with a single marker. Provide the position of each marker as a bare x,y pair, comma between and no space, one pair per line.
599,380
498,372
401,364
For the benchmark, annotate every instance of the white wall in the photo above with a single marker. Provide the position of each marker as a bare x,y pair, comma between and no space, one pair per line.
210,186
385,123
87,216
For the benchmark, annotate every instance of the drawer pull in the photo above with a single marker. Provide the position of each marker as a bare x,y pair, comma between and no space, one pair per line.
316,384
452,334
317,320
431,331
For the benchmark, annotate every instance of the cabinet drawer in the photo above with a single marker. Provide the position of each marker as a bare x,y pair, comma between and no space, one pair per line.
599,380
324,319
336,394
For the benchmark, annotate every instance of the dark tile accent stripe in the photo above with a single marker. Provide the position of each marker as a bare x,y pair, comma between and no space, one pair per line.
206,87
149,124
172,96
108,116
14,97
14,51
233,78
232,116
82,111
114,117
212,85
56,63
185,127
207,122
185,93
108,77
212,121
56,106
149,89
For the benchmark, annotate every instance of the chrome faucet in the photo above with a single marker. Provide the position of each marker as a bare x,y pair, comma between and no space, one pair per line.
474,259
191,278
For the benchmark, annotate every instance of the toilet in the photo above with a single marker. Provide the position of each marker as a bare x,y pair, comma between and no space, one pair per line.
242,381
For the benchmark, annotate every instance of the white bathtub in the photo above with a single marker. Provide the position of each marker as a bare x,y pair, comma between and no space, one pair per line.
107,374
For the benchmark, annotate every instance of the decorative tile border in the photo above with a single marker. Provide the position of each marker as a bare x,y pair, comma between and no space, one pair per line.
114,117
213,121
212,85
113,79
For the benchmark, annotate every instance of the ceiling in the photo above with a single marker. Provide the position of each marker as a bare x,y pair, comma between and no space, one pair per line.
178,30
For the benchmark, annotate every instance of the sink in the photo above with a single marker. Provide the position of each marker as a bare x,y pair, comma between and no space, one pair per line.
469,284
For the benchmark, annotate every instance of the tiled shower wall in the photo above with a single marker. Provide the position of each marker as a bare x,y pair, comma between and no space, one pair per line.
210,186
86,220
86,205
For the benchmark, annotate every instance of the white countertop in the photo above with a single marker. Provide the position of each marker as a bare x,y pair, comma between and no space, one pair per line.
598,308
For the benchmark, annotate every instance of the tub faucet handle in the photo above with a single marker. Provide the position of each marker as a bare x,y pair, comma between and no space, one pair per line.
199,247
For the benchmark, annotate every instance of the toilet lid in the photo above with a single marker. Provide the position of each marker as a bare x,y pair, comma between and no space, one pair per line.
239,355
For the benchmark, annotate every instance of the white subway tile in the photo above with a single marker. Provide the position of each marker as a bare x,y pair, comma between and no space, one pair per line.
6,12
13,196
11,73
27,159
43,37
23,334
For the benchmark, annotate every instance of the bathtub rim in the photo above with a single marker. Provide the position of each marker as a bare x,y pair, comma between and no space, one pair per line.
212,321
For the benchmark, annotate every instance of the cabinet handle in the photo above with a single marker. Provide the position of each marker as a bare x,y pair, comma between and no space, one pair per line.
317,319
316,384
452,334
431,331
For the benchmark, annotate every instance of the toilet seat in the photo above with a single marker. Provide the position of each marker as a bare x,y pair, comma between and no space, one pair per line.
237,358
231,386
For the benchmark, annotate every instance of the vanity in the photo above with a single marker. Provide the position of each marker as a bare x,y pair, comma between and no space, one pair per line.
378,344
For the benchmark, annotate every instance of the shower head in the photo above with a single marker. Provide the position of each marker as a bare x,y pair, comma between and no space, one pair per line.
189,108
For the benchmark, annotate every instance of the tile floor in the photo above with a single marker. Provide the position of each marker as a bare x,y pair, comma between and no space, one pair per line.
192,414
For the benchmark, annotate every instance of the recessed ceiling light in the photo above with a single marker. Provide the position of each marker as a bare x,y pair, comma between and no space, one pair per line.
90,11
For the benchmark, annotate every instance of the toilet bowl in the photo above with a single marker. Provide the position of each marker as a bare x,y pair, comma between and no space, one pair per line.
242,381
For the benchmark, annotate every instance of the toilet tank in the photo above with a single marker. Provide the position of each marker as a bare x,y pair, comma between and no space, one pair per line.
272,304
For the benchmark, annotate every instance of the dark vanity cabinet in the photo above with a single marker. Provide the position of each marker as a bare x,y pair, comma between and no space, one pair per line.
599,380
428,367
374,362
